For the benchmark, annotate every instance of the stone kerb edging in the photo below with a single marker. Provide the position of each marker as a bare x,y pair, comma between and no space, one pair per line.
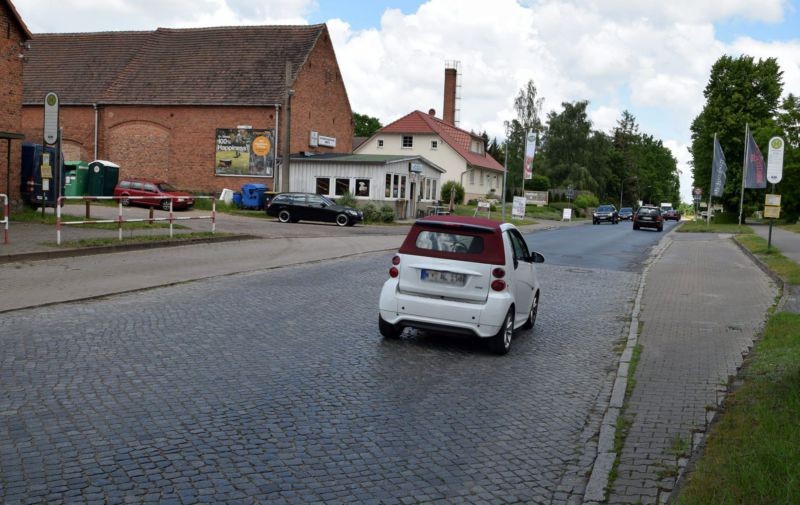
595,489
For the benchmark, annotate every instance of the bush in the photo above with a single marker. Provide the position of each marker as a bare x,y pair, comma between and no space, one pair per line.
453,186
387,214
586,201
371,213
347,200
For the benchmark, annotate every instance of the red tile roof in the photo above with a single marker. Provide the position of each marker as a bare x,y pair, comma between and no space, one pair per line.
196,66
460,140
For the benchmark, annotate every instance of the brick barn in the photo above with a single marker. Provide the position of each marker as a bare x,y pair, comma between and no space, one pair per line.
13,37
203,108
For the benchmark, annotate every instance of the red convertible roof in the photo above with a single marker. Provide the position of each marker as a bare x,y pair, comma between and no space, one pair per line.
489,230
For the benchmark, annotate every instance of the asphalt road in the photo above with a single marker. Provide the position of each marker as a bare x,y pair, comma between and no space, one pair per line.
276,387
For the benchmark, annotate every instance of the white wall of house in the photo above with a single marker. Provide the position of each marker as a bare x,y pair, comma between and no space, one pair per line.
383,183
477,182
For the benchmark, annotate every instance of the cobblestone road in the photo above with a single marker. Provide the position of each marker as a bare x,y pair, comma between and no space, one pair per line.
275,387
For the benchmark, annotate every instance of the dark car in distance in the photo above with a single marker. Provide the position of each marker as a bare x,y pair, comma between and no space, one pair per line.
625,214
605,213
294,207
152,193
648,217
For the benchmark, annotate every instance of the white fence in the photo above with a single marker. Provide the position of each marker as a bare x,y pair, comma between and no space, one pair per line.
5,217
120,220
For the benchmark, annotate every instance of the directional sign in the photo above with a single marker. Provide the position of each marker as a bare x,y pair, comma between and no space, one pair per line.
51,118
775,160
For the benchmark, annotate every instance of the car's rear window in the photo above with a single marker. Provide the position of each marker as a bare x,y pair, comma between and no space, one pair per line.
458,243
648,212
605,208
125,184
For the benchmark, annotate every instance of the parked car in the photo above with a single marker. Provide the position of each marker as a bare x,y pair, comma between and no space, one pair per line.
155,192
625,214
648,217
671,214
294,207
605,213
462,275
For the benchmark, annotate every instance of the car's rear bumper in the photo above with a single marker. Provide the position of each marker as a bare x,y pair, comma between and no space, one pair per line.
447,316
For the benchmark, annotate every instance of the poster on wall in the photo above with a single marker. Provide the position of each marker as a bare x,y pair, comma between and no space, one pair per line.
244,151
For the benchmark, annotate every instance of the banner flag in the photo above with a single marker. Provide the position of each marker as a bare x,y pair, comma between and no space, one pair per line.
755,175
530,151
718,170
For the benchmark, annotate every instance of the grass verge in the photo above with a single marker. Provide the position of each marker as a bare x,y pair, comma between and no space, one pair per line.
752,455
98,242
624,422
702,227
787,269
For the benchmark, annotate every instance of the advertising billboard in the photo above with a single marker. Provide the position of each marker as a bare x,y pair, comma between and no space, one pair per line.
244,151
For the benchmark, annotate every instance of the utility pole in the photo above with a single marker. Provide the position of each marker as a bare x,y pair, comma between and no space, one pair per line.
287,130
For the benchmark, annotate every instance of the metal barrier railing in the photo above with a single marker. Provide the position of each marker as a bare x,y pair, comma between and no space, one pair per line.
120,220
5,217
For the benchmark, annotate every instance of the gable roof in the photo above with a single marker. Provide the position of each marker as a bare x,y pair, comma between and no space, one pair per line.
16,17
194,66
460,140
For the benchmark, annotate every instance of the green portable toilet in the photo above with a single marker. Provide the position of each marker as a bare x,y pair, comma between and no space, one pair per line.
77,178
103,176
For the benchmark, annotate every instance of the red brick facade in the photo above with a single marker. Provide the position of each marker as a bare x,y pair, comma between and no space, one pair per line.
177,143
12,36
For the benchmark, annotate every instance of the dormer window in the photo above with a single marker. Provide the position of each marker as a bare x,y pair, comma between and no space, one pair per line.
408,142
476,146
434,145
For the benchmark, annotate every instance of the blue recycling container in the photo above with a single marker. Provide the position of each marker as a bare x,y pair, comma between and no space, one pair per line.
253,196
237,200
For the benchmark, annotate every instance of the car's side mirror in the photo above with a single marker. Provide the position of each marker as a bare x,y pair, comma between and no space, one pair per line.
536,257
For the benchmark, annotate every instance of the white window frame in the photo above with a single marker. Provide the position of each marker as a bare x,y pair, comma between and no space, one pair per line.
396,186
434,145
410,142
380,143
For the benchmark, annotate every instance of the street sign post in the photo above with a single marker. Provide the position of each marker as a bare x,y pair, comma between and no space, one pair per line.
775,160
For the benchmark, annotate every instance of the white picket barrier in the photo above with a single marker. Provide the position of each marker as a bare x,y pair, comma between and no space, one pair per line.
120,220
5,217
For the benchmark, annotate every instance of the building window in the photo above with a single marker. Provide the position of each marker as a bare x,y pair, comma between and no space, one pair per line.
380,143
434,144
362,187
408,141
476,146
342,186
395,186
472,177
481,177
433,191
323,186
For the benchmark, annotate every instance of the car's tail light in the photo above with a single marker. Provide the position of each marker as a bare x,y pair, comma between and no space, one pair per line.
394,272
396,260
499,273
498,285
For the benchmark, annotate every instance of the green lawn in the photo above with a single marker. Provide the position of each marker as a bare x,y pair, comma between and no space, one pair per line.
702,227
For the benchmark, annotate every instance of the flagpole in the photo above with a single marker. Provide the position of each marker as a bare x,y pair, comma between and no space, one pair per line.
711,180
744,168
505,172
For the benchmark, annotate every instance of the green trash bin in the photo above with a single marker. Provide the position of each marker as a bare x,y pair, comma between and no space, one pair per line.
77,175
103,176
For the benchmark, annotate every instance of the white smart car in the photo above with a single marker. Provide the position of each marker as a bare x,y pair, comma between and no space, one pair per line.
462,275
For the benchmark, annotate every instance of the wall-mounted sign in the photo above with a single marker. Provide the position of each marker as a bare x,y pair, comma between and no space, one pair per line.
313,139
244,151
51,118
415,168
327,141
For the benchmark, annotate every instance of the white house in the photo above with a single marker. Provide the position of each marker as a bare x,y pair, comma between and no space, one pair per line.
407,183
460,153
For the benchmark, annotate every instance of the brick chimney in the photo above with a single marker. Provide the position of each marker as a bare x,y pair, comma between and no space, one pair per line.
449,110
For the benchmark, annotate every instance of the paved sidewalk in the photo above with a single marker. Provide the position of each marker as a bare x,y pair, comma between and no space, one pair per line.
703,304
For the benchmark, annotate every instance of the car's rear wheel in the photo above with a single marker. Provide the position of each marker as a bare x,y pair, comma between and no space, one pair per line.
165,204
125,201
532,313
284,216
501,342
388,330
342,219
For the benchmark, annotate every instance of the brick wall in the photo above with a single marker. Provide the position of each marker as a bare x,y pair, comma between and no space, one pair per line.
177,143
10,101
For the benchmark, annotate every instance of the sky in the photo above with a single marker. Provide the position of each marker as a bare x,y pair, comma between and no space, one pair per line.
650,58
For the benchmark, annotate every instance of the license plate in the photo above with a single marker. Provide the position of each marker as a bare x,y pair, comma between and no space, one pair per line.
442,277
647,218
